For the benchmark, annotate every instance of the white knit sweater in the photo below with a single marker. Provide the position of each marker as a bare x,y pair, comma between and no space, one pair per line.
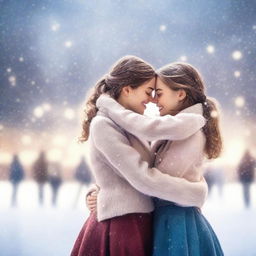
121,166
179,158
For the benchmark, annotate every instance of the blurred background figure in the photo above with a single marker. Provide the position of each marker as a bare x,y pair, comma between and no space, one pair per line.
55,180
246,175
214,176
83,176
40,173
16,176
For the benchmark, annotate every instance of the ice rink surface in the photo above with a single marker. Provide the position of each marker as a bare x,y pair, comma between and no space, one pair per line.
33,230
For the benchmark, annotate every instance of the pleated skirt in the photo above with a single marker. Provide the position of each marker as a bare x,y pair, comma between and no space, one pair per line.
182,231
128,235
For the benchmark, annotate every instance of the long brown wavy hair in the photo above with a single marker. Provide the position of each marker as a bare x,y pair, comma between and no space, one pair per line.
184,76
129,70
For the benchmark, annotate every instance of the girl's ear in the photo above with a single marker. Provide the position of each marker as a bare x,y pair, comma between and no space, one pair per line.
126,90
182,94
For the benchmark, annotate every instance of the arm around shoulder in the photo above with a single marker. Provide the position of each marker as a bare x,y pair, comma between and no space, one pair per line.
125,160
167,127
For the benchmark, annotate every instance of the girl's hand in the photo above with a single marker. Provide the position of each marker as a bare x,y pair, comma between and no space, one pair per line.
91,201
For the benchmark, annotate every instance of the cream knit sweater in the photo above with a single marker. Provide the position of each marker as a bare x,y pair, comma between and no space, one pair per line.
121,164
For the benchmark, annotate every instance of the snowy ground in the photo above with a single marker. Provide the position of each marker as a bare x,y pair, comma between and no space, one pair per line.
31,230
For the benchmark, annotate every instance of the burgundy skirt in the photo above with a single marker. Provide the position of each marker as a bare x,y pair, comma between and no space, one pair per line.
128,235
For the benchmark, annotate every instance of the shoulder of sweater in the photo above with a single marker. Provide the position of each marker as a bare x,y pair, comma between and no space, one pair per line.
197,141
195,109
101,122
101,119
199,136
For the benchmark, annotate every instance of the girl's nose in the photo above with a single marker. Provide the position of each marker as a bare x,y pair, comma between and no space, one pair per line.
154,99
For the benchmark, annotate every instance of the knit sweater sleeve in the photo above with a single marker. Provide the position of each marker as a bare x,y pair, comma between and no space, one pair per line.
124,159
178,127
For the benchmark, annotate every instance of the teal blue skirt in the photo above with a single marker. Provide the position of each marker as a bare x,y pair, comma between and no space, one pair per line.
182,231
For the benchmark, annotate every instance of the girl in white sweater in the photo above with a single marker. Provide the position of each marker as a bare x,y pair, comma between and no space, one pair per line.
121,165
179,89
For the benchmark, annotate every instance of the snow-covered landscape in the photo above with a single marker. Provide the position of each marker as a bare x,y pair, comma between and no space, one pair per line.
30,229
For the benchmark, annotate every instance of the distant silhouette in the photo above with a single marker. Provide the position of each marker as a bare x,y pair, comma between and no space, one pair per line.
246,175
214,176
16,176
83,176
40,170
55,180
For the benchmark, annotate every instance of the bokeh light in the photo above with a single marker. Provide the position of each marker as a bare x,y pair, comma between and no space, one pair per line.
237,55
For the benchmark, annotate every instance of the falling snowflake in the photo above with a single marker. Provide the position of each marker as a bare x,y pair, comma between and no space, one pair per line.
237,55
12,80
68,44
55,27
239,101
210,49
162,28
38,112
214,114
183,58
237,73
